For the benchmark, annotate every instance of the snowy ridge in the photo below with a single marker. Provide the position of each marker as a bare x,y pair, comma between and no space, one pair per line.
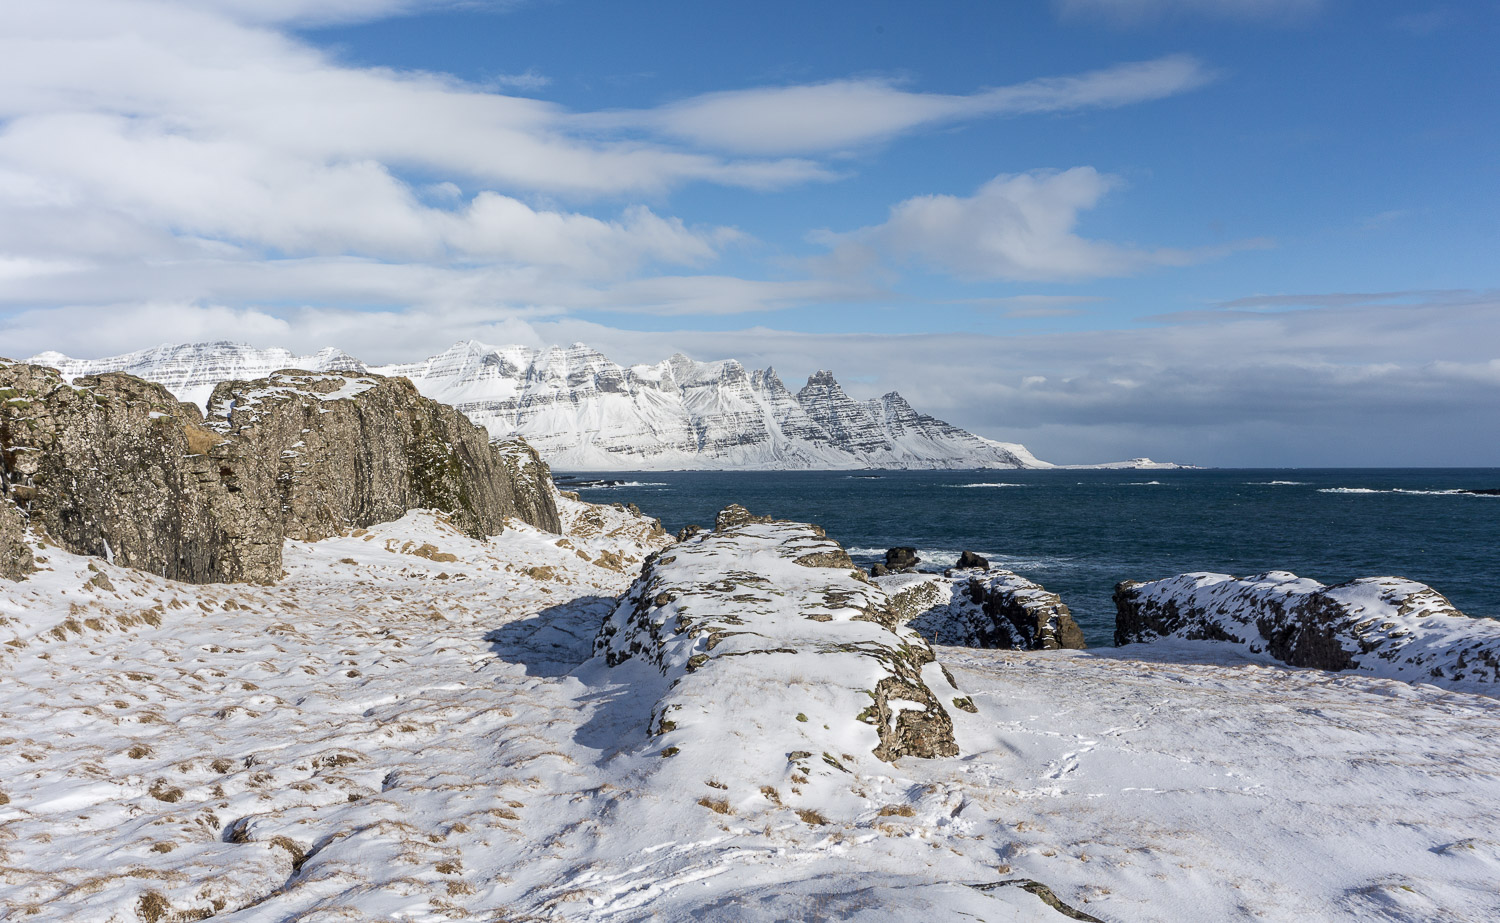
746,614
585,412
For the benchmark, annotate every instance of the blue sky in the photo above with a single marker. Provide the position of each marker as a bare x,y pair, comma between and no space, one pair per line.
1257,232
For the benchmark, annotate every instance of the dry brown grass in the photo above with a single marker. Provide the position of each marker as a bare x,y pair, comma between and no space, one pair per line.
811,817
897,810
199,439
716,805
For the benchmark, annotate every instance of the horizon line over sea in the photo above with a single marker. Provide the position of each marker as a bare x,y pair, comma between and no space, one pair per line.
1078,532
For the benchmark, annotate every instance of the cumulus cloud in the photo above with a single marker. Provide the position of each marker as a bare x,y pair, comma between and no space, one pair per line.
1016,226
198,152
846,113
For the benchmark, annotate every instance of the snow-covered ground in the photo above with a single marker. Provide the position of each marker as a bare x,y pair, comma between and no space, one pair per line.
394,734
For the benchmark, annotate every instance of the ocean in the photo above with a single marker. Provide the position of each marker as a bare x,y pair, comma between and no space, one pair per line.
1080,532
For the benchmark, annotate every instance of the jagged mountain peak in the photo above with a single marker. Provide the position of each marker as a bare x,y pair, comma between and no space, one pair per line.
583,411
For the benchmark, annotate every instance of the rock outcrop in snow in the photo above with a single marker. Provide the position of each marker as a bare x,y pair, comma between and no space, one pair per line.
115,466
983,607
585,412
773,612
1387,626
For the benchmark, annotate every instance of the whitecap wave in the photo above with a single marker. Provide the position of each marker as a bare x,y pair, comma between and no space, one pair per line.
617,486
1450,492
1276,483
1144,484
990,484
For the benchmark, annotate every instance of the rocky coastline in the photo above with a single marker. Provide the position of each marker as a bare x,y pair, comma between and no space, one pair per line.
332,638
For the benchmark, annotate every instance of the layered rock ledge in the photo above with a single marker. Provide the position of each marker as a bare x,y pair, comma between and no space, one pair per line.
1386,626
983,607
760,613
115,466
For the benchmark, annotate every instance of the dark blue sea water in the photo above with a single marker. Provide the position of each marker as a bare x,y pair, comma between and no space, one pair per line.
1080,532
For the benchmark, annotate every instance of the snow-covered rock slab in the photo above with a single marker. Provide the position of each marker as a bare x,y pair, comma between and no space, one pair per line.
1385,626
772,613
983,607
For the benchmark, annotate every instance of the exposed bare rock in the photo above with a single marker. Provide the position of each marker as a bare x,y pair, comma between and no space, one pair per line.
735,515
984,608
1388,626
113,465
731,610
16,562
969,560
901,559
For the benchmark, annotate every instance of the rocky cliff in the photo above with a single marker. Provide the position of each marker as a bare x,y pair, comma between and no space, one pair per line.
115,466
762,611
1388,626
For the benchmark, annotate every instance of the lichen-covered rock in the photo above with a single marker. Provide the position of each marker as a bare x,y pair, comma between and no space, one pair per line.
1388,626
115,466
533,497
983,608
739,615
16,561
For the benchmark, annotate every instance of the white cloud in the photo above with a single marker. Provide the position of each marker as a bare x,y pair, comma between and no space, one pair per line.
1134,10
1016,226
846,113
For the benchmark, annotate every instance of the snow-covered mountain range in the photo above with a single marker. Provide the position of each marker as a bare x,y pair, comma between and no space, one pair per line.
585,412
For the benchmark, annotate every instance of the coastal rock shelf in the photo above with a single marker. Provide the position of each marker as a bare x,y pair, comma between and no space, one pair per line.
114,466
1386,626
983,607
759,612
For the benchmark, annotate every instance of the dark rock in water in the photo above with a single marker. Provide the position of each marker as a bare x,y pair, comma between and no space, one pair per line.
114,465
1483,491
903,558
969,560
1389,626
997,609
879,570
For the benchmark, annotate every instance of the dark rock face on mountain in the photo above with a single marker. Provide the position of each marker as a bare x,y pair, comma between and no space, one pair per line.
115,466
1389,626
991,608
729,621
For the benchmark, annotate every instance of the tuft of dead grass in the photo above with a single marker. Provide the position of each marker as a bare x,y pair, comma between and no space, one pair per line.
716,805
199,439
